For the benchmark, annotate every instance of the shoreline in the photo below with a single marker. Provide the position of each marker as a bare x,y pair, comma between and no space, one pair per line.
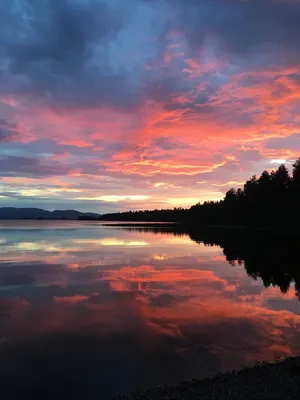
143,224
188,225
263,381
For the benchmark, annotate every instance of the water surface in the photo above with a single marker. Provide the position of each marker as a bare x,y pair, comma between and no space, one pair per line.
88,311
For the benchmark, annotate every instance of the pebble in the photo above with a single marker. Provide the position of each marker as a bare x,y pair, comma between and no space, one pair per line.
264,381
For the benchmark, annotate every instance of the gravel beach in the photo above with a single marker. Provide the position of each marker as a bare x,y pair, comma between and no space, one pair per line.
280,380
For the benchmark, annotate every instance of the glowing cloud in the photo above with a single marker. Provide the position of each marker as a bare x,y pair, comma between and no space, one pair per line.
141,103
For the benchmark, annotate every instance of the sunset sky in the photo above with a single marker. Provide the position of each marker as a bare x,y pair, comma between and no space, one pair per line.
107,105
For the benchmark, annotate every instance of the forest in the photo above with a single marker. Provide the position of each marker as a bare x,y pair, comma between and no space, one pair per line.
271,199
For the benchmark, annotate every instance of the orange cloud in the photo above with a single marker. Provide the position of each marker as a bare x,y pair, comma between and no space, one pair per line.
179,137
70,299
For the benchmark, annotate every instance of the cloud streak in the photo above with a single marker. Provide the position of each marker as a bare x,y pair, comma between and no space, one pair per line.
146,95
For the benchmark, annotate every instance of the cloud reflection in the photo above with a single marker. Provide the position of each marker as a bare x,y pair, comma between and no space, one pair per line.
110,242
151,314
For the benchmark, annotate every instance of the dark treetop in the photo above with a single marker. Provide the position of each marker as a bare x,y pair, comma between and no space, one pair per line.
271,200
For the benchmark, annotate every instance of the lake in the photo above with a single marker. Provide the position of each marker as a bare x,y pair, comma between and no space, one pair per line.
88,311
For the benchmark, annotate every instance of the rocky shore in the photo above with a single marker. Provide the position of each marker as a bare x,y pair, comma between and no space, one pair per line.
265,381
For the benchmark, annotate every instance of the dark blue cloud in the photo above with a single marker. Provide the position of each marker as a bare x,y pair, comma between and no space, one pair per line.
92,53
30,167
291,142
7,131
63,50
242,27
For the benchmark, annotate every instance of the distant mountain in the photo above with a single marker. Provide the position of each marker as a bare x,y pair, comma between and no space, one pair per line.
38,213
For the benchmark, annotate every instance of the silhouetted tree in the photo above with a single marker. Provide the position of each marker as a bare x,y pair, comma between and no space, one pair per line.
295,191
271,199
296,171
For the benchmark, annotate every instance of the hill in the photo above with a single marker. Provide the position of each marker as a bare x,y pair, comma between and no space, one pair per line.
38,213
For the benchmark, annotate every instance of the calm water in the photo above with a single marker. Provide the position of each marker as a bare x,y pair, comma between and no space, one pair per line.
88,311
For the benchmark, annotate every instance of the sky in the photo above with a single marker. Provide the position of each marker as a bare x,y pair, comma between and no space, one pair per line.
109,105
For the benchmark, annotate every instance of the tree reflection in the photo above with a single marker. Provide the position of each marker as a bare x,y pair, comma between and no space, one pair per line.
273,258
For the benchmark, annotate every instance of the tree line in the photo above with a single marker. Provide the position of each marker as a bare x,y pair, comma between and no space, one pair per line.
268,200
271,199
170,215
